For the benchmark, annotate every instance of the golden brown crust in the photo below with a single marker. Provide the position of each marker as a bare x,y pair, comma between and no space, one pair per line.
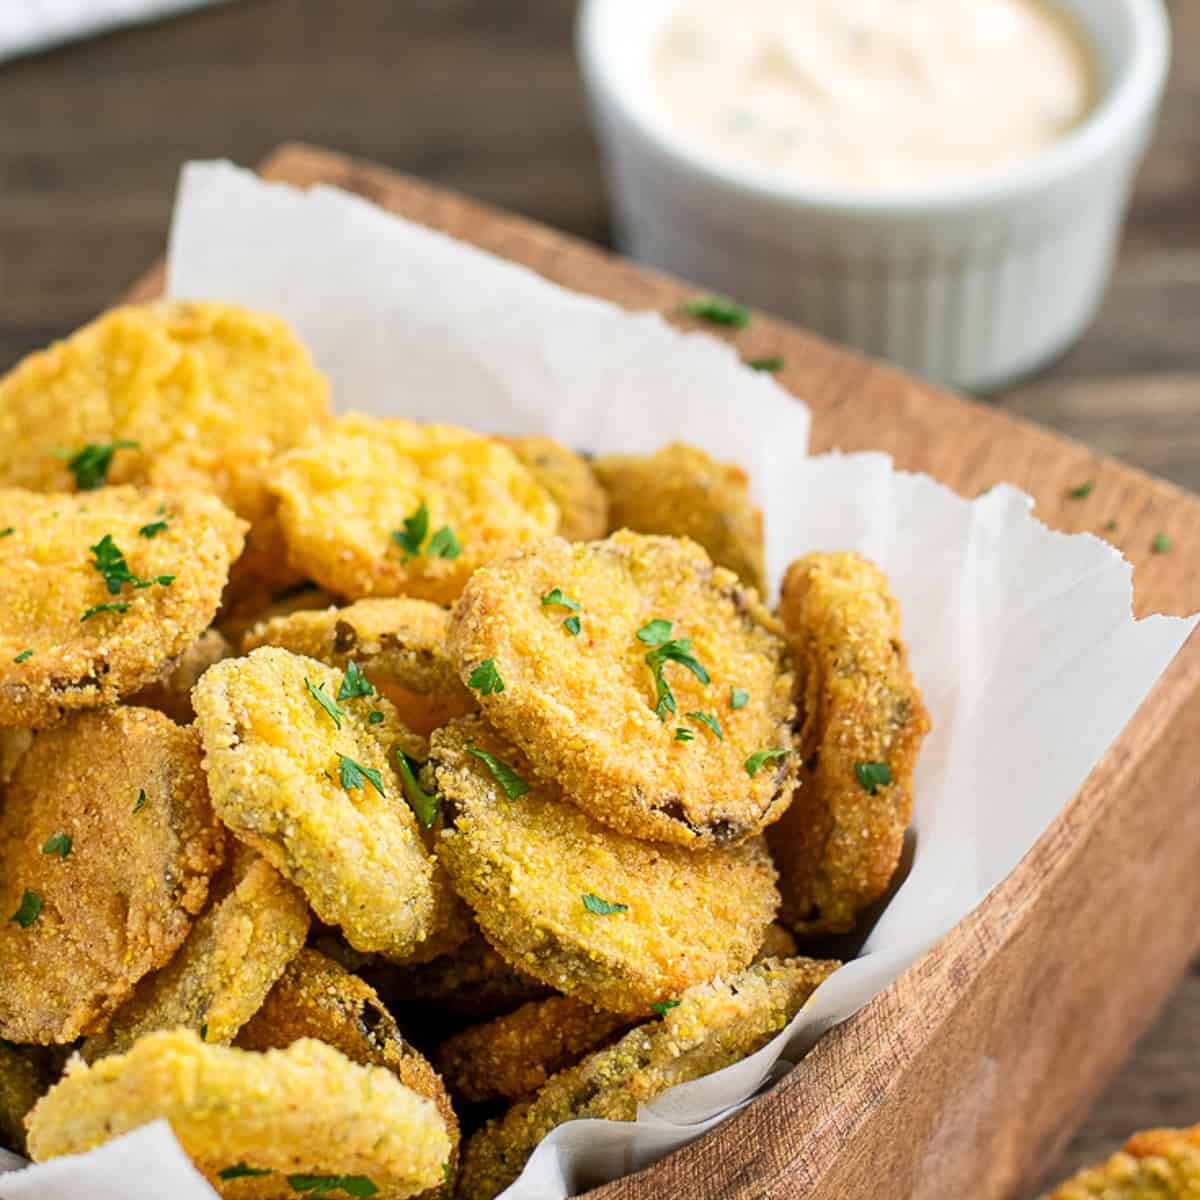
304,1110
681,492
400,644
171,693
714,1024
342,497
135,875
1160,1164
525,866
571,483
48,581
839,845
583,708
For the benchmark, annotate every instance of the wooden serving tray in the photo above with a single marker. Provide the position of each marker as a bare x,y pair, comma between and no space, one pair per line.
967,1074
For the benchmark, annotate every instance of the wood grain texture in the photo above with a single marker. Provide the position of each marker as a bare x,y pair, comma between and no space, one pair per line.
965,1077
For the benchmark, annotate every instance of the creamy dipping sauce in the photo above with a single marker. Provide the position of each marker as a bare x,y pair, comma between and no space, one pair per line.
873,95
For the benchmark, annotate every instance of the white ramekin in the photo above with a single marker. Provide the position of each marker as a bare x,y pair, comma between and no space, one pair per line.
973,287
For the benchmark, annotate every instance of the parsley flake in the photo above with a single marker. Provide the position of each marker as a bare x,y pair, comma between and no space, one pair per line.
1110,526
443,544
511,784
556,597
485,679
772,364
90,465
710,722
318,694
354,683
424,804
1161,544
7,531
241,1171
111,564
352,774
59,844
664,1006
872,776
24,656
204,1032
412,536
375,716
683,735
119,607
719,310
140,803
358,1186
572,626
1083,491
738,697
153,529
602,908
29,911
759,757
657,633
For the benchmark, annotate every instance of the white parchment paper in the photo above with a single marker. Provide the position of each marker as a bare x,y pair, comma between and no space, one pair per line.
1021,638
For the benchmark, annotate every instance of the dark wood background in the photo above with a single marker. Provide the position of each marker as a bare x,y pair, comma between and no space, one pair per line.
483,96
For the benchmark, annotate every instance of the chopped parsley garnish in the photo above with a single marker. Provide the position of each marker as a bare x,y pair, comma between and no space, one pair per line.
318,694
555,597
759,757
111,564
59,844
664,1006
657,633
29,911
572,626
443,544
872,776
1161,544
410,539
511,784
153,529
354,683
204,1032
6,531
374,716
1083,491
485,679
90,465
772,364
140,803
710,721
352,774
1110,526
602,908
241,1171
358,1186
24,656
119,607
738,697
719,310
424,804
683,735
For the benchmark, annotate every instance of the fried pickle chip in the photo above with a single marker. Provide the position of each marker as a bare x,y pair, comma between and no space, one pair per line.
207,394
515,1054
303,1111
777,943
838,846
22,1083
379,507
171,693
682,492
221,974
299,772
1160,1164
91,609
398,643
107,846
571,483
713,1025
316,998
668,716
617,922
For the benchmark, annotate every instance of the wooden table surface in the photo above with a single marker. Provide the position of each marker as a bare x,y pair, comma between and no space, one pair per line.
483,96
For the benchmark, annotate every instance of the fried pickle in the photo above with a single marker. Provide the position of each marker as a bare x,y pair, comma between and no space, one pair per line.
107,846
668,716
713,1025
22,1083
310,782
571,483
682,492
303,1111
90,608
379,507
606,918
838,846
777,943
1160,1164
172,692
398,643
515,1054
230,961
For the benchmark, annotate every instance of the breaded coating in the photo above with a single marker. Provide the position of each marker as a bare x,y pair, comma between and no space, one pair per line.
682,492
306,1110
324,804
73,635
221,974
571,483
107,846
172,693
455,499
399,643
838,846
707,762
22,1083
515,1054
208,392
1160,1164
617,922
713,1025
316,998
777,943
